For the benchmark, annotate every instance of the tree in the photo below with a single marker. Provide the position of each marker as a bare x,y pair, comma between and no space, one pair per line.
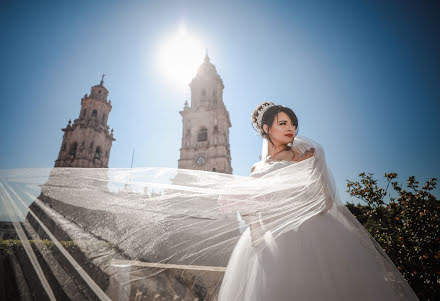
406,224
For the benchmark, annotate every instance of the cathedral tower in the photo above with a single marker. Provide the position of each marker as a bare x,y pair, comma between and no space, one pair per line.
87,142
205,137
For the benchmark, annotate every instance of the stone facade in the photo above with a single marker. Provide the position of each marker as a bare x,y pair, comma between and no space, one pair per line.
7,231
206,123
87,142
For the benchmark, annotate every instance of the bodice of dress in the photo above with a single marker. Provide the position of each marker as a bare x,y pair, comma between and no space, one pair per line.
267,166
264,167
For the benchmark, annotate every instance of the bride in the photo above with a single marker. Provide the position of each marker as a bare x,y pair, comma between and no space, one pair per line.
171,232
310,247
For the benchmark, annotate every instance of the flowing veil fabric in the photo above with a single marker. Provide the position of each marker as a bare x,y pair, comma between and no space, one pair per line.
305,245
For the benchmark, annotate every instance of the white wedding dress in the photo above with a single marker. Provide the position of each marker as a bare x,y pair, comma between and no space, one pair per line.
330,256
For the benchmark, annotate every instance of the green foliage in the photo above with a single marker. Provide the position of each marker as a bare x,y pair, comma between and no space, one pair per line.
406,224
10,246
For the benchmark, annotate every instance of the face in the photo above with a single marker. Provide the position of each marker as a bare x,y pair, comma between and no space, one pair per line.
282,130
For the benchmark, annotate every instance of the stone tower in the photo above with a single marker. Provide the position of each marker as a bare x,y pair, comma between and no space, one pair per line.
87,142
205,137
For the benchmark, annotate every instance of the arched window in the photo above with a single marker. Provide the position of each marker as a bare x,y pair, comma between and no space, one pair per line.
215,128
98,153
103,118
91,145
106,154
203,135
73,148
203,92
94,113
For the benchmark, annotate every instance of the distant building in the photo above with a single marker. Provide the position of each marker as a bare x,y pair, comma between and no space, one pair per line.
87,142
206,123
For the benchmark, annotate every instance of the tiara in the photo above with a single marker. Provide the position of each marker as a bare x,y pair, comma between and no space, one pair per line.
263,108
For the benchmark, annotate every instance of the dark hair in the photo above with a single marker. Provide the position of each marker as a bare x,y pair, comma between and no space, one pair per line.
269,117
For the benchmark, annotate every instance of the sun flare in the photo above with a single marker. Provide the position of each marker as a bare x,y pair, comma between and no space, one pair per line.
179,57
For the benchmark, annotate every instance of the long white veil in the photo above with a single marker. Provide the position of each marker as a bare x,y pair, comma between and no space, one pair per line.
131,227
264,148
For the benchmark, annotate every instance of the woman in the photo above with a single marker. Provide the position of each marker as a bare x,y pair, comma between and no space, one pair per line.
310,247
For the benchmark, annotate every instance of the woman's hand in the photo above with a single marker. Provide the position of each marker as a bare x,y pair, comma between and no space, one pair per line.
307,154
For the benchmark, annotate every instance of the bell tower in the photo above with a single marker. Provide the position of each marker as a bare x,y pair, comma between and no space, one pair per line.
87,142
206,123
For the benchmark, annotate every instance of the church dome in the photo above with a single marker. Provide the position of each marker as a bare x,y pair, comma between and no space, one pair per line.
207,70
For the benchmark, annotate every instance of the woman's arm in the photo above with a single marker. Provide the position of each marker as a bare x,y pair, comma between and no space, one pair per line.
307,154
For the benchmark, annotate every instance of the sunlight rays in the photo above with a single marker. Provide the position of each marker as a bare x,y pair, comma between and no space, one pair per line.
179,56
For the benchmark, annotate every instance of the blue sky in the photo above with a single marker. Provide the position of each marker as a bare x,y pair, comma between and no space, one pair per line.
362,76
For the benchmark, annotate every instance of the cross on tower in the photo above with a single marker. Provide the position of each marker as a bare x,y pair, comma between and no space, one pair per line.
102,79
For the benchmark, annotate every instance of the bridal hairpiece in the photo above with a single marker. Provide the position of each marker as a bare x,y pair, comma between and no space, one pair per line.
259,118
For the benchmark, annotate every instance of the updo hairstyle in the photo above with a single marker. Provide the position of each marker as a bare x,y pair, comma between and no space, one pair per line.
269,117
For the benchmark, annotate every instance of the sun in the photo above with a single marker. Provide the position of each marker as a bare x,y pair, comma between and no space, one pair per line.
179,57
